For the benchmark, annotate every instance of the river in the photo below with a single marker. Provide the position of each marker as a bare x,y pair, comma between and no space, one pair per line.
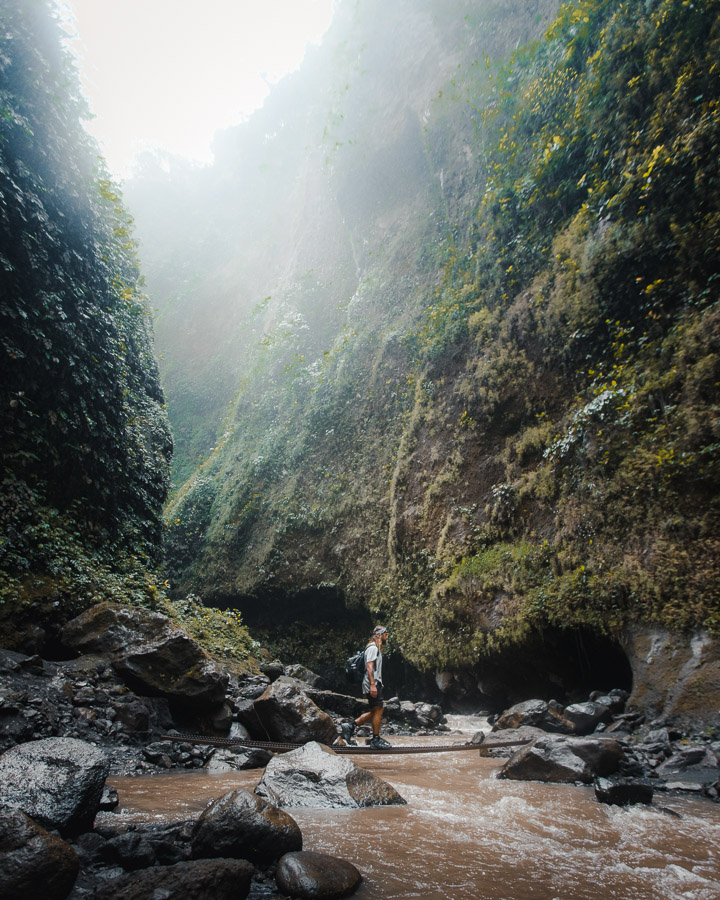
465,835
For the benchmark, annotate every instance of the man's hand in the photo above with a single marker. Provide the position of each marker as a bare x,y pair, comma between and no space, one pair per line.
373,689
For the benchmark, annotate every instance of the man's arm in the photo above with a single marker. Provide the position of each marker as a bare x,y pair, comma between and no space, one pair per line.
370,666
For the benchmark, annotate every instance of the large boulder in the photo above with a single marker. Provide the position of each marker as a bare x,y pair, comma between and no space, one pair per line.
587,716
241,825
233,759
549,716
33,862
316,875
286,713
220,879
529,712
564,759
152,654
58,782
315,776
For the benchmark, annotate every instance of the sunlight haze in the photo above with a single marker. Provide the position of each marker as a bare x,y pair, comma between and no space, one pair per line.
166,76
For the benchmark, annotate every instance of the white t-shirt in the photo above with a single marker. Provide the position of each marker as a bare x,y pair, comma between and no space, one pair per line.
372,654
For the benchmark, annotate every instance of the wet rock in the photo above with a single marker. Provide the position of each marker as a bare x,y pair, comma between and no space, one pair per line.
33,862
109,799
685,759
529,712
300,673
341,704
57,781
273,670
564,759
132,713
622,792
587,716
315,776
287,714
219,879
131,850
229,759
241,825
496,743
316,875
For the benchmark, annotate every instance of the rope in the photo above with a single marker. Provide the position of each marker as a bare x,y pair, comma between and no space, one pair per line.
279,747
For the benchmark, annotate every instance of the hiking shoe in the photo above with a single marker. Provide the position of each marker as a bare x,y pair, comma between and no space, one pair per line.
346,729
378,743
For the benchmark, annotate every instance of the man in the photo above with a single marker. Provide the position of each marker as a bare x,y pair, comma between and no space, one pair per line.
373,691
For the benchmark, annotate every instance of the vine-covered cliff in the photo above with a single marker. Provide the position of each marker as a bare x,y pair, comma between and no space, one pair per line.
85,443
441,326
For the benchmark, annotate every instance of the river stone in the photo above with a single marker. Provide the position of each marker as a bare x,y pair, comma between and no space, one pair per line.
241,825
316,875
587,716
231,759
529,712
622,792
288,714
564,759
219,879
300,673
492,745
56,781
315,776
151,653
33,862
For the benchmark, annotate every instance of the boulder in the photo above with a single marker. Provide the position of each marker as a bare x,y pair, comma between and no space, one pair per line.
33,863
687,758
300,673
564,759
315,776
529,712
229,759
622,792
152,654
56,781
288,714
585,717
316,875
221,879
241,825
495,743
548,716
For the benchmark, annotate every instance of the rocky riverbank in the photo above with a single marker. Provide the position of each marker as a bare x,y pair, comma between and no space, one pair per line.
136,678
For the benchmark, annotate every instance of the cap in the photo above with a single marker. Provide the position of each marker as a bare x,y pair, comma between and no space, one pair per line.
379,629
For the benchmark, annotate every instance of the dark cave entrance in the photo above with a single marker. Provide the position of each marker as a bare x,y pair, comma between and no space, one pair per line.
560,664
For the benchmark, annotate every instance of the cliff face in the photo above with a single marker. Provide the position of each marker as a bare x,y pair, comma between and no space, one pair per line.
85,439
441,328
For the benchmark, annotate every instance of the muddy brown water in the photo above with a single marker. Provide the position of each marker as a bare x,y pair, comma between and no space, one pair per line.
465,835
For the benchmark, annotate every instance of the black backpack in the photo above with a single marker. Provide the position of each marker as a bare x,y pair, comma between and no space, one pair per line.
355,667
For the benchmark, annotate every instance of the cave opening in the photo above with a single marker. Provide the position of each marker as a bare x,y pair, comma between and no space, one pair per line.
559,664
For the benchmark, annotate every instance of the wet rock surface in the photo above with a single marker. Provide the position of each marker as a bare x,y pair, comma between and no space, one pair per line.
316,875
58,782
315,776
286,713
564,759
241,825
33,862
219,879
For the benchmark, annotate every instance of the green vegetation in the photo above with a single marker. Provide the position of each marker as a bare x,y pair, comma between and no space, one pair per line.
85,440
482,398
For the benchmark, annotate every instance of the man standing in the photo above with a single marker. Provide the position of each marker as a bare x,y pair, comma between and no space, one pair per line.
373,691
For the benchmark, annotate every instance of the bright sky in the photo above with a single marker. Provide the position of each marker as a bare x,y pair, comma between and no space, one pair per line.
166,74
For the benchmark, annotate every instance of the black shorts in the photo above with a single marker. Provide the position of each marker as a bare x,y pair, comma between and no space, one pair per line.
377,700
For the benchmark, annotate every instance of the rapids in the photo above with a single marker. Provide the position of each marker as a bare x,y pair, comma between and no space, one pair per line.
465,835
